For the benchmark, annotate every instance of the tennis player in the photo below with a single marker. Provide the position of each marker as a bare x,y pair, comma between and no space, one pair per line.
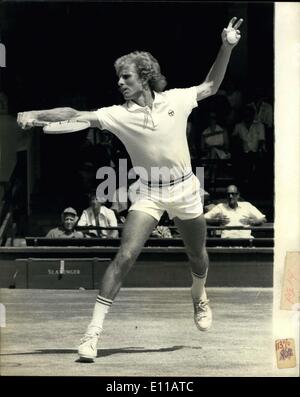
152,125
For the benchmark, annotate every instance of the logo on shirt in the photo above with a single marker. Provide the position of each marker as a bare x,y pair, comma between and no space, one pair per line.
171,113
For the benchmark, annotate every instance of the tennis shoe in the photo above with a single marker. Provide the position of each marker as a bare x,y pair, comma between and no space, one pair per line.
202,315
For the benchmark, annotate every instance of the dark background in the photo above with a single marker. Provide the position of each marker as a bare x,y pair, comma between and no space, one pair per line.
58,52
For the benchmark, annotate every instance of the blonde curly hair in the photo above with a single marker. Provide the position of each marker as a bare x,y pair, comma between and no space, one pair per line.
147,68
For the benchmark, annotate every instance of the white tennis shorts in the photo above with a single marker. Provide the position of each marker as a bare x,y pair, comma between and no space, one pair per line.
182,199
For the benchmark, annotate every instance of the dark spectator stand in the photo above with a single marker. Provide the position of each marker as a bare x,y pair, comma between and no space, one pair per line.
79,263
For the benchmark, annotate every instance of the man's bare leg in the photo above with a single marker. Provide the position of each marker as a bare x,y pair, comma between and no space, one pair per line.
193,233
137,229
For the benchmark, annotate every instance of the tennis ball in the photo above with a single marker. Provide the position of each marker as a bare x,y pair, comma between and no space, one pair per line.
232,37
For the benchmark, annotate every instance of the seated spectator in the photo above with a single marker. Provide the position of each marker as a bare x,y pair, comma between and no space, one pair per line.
66,230
250,145
251,132
263,109
264,114
99,215
215,140
235,213
162,230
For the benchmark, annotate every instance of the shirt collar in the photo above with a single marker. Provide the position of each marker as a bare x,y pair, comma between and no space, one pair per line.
238,206
102,209
132,106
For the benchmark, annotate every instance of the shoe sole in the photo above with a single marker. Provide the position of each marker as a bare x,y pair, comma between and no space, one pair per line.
201,329
86,359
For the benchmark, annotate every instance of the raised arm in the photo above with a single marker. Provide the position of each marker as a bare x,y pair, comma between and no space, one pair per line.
36,117
217,72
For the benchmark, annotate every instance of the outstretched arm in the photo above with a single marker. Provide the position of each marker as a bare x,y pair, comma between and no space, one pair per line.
217,72
36,117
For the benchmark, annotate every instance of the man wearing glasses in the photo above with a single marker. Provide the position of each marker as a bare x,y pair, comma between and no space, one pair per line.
234,213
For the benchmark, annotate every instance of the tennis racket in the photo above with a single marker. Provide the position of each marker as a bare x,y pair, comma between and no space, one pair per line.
62,127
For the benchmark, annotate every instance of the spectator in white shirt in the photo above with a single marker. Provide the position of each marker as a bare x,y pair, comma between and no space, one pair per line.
215,140
99,215
251,132
250,144
263,109
264,113
235,213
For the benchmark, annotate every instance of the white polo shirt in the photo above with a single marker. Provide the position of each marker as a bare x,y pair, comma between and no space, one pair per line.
235,216
250,137
154,137
106,218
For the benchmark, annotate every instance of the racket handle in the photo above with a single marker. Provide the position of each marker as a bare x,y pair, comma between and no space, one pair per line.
38,123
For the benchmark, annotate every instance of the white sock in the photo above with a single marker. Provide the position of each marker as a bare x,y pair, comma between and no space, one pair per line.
101,308
198,287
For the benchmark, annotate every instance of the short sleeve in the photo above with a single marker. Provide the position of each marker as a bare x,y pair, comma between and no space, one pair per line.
53,233
185,97
107,117
255,212
112,219
213,212
83,221
79,235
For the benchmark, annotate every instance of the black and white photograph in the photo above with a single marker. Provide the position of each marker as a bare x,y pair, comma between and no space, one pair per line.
149,190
